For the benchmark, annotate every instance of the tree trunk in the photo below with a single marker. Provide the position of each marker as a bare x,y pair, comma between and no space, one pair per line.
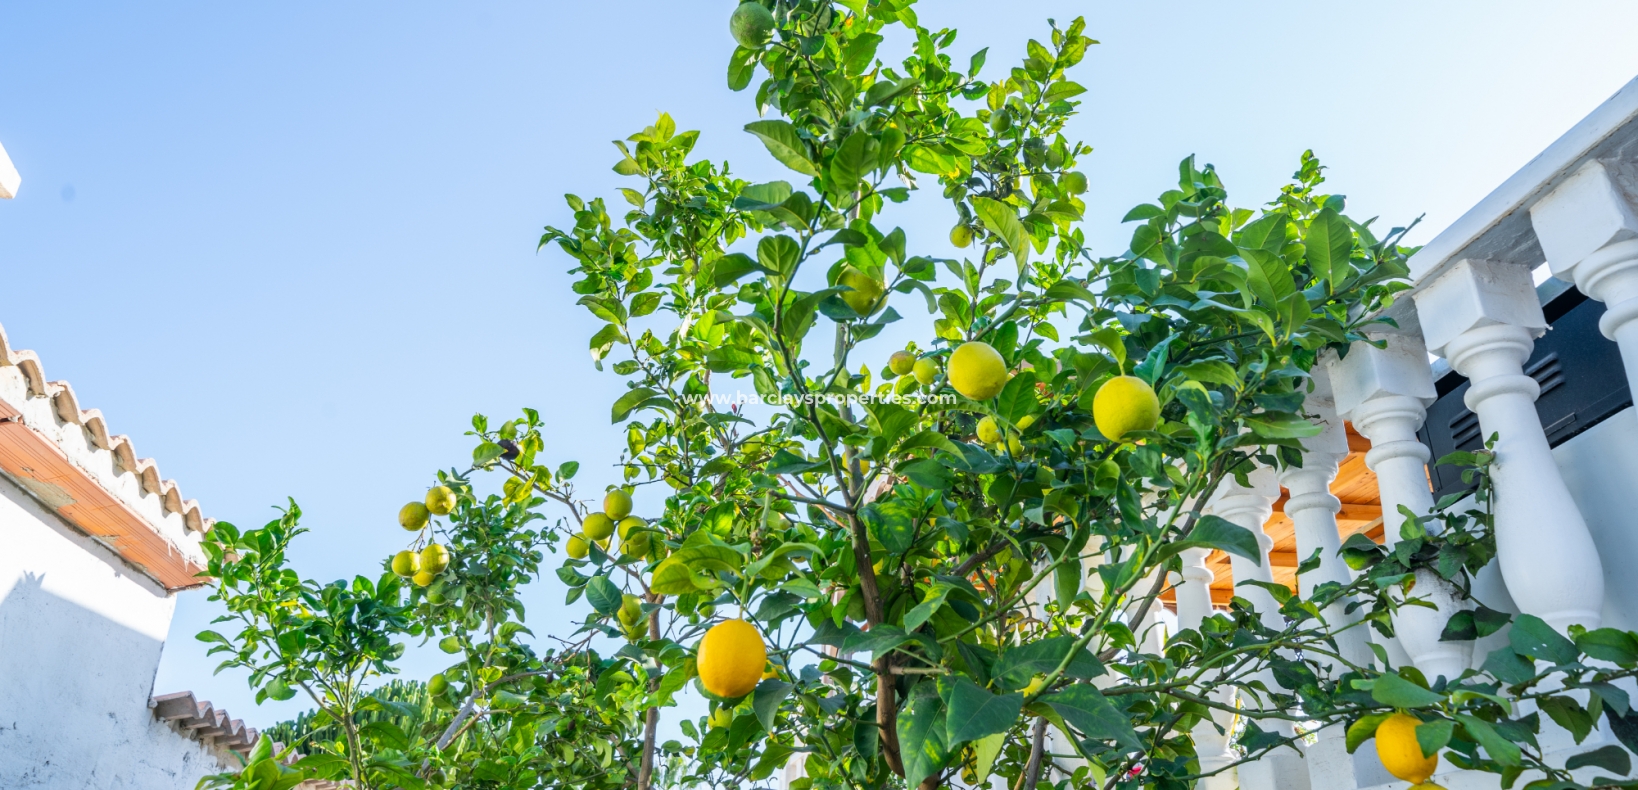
651,724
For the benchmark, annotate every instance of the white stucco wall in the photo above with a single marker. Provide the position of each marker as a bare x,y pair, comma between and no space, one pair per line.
80,638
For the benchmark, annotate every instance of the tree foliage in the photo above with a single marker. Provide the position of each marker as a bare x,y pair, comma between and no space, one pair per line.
933,603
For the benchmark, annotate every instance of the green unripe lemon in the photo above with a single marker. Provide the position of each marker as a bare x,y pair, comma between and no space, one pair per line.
405,563
437,685
636,546
866,291
434,559
413,516
617,504
631,609
988,432
752,25
598,526
1125,404
440,500
578,547
1074,182
626,525
961,236
926,370
977,370
1014,446
901,363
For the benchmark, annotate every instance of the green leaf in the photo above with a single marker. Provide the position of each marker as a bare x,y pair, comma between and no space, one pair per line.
1433,735
1397,692
768,696
975,713
628,402
1500,749
603,595
929,438
1532,636
1019,664
1001,219
1017,399
733,266
1063,90
1083,707
1568,714
890,523
763,197
853,160
450,644
1508,666
279,690
1364,729
785,144
985,750
1329,242
1273,425
1216,532
1268,277
673,578
921,738
1609,644
779,254
1611,758
741,68
1211,371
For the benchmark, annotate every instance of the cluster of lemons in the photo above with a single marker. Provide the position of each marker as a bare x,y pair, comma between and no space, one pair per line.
424,566
1124,404
616,516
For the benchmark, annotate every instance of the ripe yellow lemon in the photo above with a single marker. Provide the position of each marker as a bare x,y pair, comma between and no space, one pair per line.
434,559
423,579
1014,446
977,371
1025,421
1125,404
1400,753
598,526
413,516
901,363
751,25
731,659
630,523
988,432
866,291
578,547
617,504
440,500
926,370
405,563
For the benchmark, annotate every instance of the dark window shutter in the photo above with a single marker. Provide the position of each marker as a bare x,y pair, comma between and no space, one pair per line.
1582,378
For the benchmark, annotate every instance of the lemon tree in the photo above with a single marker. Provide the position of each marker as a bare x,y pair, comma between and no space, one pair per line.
911,561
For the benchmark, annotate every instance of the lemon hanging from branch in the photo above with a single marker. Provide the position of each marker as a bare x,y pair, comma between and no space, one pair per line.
1401,753
731,659
1125,404
977,370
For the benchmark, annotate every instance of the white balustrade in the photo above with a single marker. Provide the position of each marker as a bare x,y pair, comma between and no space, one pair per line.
1483,317
1588,228
1193,607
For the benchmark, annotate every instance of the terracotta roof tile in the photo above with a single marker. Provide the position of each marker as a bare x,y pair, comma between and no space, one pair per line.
66,458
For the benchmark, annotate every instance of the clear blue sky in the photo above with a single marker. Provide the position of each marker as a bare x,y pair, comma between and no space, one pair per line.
289,248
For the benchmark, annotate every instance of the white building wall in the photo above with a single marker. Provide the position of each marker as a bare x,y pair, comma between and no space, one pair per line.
1601,468
80,638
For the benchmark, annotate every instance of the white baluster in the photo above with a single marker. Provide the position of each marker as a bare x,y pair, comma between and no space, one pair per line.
1193,607
1588,227
1386,393
1250,507
1483,316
